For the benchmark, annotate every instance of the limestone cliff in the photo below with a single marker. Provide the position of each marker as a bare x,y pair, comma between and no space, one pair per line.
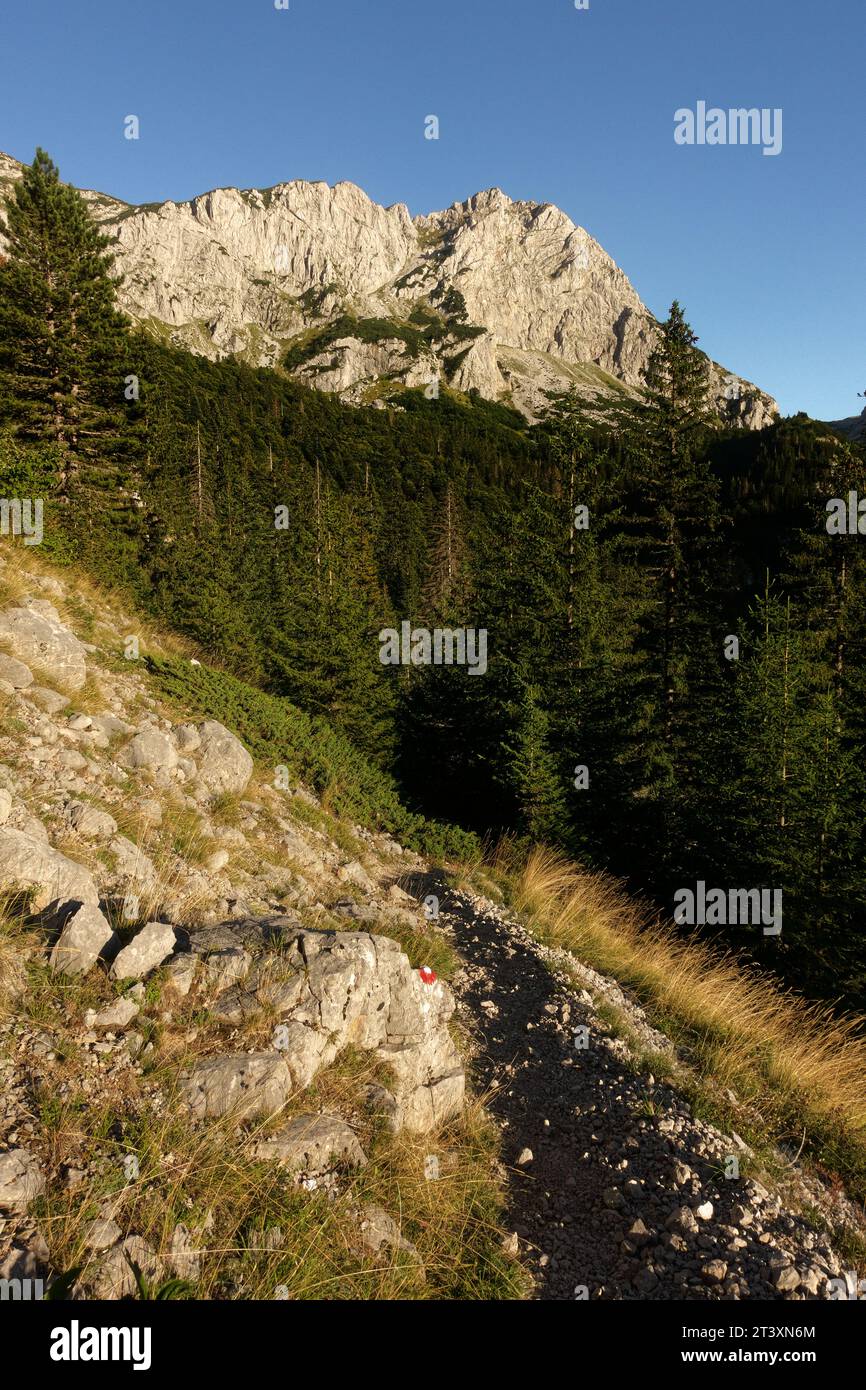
506,298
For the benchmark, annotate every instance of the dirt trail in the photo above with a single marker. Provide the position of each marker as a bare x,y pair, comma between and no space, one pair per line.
625,1195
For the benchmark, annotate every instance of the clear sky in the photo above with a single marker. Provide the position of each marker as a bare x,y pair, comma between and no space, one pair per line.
548,102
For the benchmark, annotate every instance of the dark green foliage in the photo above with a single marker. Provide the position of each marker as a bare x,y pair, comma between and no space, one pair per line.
536,781
606,643
62,341
423,330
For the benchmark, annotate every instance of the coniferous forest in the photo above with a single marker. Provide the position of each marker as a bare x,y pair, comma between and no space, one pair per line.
676,667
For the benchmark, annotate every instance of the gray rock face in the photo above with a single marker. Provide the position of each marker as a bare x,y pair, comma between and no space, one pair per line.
15,672
72,760
114,1277
115,1016
148,949
181,973
313,1144
132,866
37,637
224,968
50,700
102,1233
31,863
430,1083
90,822
20,1179
224,765
331,990
150,749
377,1229
187,739
269,985
248,1086
28,1261
248,271
110,725
83,939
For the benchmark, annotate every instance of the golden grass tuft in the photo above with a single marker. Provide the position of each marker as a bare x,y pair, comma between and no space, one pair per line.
207,1176
85,603
15,948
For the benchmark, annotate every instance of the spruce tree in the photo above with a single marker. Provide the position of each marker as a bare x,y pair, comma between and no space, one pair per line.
445,580
63,347
531,772
674,515
675,409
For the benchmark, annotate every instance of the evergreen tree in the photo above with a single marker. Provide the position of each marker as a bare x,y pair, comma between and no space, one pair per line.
532,773
63,347
673,503
445,581
675,410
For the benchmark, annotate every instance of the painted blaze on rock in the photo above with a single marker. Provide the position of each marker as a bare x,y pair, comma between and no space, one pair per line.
350,988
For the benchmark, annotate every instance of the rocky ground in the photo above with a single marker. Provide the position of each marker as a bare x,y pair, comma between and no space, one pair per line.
205,943
179,903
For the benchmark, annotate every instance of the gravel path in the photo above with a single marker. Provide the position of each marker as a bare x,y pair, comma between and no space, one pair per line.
615,1191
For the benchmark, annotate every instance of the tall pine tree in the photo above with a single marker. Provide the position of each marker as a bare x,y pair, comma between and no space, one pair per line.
64,353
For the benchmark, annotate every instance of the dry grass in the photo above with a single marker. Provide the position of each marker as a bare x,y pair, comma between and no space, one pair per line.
86,603
801,1066
16,945
206,1176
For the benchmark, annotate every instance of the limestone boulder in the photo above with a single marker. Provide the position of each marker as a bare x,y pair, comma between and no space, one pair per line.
224,765
29,862
15,672
86,935
331,990
21,1179
36,636
147,949
90,822
313,1144
151,749
248,1085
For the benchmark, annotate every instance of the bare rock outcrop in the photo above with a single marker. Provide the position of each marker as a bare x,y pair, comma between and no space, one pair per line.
337,989
36,636
21,1179
29,862
507,298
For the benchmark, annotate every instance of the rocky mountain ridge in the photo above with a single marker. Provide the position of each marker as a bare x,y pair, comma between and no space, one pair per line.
853,426
502,297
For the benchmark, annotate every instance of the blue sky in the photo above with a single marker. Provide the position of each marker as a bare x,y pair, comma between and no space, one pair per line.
546,101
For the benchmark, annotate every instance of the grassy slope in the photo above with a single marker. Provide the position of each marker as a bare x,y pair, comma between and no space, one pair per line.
262,1237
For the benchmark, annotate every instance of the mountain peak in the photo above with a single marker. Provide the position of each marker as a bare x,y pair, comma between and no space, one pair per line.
504,297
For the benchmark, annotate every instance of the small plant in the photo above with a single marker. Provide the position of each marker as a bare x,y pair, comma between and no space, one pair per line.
160,1293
